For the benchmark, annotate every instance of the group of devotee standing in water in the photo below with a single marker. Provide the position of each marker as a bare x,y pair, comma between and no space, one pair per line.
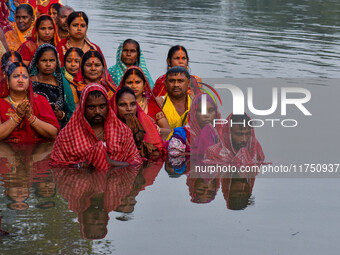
55,84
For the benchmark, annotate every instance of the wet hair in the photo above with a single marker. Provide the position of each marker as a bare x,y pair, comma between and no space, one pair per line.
69,51
55,6
13,66
75,15
172,51
65,7
42,18
122,91
96,93
138,48
6,57
130,71
88,55
26,7
43,50
178,69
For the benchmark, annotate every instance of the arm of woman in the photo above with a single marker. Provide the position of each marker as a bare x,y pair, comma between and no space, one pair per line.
7,128
45,129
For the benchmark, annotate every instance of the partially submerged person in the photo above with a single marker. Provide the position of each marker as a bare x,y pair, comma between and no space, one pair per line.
45,31
72,62
176,103
48,81
145,134
24,23
77,24
177,56
7,59
199,133
93,70
135,79
238,144
25,117
94,135
61,20
129,54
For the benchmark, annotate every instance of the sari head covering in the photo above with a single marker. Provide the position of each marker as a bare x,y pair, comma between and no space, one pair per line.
147,126
78,83
28,48
24,133
56,38
117,71
202,138
6,60
225,152
154,109
15,37
41,9
65,100
77,142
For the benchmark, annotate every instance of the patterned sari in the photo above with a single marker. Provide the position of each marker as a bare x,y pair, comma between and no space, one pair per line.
117,71
60,95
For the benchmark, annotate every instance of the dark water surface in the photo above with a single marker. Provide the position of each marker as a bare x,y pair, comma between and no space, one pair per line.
152,210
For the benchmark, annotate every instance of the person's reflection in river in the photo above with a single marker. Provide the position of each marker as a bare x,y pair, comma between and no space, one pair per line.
237,190
18,163
145,178
93,194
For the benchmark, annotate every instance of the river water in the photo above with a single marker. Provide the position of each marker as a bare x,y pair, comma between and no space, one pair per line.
154,210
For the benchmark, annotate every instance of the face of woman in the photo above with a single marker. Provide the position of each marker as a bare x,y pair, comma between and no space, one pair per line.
47,63
204,119
23,20
129,54
77,29
179,58
136,84
126,105
93,70
72,63
46,31
19,80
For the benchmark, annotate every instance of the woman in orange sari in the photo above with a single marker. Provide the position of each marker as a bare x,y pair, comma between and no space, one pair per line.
24,23
44,31
77,27
135,79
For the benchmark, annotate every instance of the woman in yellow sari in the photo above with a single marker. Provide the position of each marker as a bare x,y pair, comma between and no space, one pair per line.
24,23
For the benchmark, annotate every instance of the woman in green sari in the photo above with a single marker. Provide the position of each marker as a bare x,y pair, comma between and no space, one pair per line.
48,81
129,54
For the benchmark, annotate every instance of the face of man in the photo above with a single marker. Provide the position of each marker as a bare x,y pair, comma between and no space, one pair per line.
62,18
96,109
177,85
240,136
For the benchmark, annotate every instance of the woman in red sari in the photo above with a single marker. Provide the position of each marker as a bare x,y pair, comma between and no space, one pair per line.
147,139
44,31
77,27
93,70
25,117
177,56
135,79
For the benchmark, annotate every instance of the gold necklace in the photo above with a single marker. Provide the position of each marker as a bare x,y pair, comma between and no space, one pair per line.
42,1
143,104
70,46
